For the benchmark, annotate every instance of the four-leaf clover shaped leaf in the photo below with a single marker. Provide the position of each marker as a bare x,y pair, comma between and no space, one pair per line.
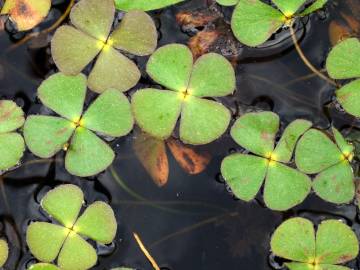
334,243
317,153
253,22
343,63
12,144
189,84
285,187
64,241
110,115
73,48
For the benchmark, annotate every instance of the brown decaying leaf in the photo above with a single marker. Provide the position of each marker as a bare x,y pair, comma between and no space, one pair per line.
201,42
152,154
192,161
195,19
338,32
26,14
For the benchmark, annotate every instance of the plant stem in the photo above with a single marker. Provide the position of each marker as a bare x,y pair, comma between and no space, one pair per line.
305,60
146,253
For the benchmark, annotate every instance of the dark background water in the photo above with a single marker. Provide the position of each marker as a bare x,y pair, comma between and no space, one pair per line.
193,222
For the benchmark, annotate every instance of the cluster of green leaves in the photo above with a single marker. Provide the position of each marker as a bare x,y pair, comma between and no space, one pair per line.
110,115
285,186
343,63
12,144
317,154
144,5
26,14
65,243
189,85
254,22
4,252
334,244
74,47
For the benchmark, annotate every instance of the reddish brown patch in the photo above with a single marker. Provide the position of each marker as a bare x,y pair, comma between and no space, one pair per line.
152,155
24,15
61,131
201,42
345,258
195,19
191,160
265,136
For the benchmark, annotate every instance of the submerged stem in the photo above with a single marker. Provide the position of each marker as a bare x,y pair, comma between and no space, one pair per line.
146,253
305,60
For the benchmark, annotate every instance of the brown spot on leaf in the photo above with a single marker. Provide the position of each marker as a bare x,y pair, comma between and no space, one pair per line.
201,42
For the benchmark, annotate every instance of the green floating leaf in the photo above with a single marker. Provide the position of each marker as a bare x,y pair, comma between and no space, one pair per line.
109,114
341,63
136,34
64,94
63,203
11,116
76,254
144,5
43,266
156,111
336,243
289,7
256,132
171,66
113,70
93,17
299,266
202,120
88,154
349,97
72,50
244,174
285,187
345,147
318,4
316,152
47,135
98,222
335,184
227,2
212,76
254,22
12,148
45,240
294,240
26,13
4,252
285,147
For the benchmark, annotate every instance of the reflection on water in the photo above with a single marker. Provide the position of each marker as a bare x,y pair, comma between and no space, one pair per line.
193,222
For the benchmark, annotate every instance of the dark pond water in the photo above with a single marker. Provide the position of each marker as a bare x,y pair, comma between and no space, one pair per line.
193,222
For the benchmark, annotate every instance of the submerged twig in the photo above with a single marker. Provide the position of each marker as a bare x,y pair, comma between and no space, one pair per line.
45,31
146,253
305,60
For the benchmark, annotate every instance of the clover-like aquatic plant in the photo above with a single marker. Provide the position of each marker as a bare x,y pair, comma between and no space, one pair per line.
333,244
65,242
254,22
144,5
4,252
74,47
43,266
189,85
343,63
316,153
110,115
285,187
12,144
26,14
